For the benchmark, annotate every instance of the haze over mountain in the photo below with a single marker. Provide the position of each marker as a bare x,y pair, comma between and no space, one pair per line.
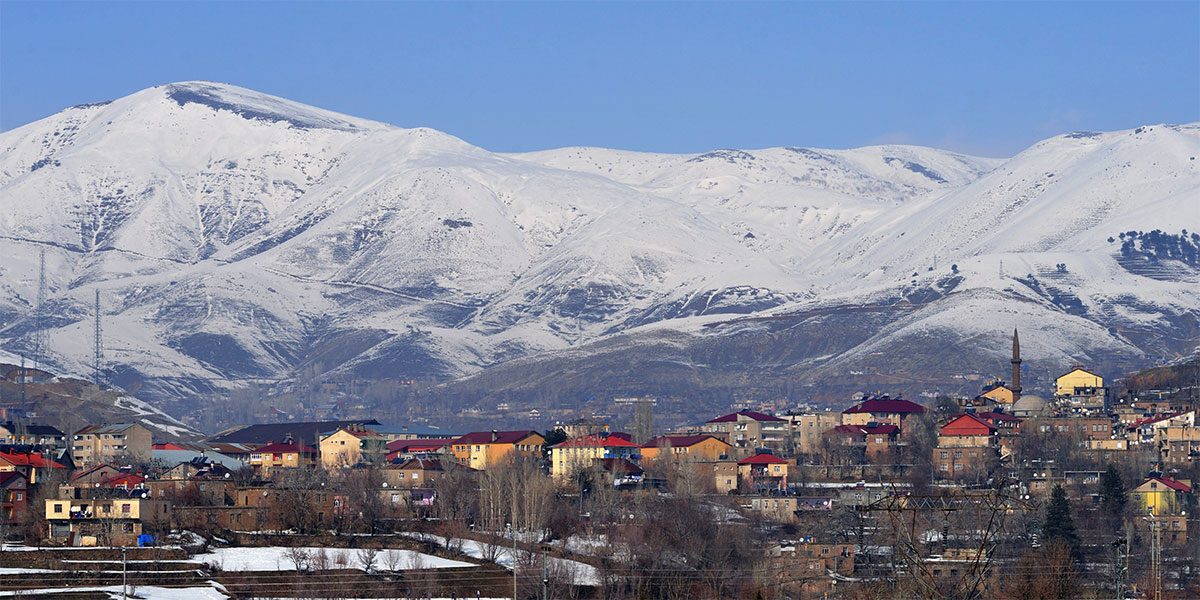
239,237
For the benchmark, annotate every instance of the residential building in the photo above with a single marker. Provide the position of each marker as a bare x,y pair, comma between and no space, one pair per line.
883,410
410,431
805,431
1083,428
725,476
95,444
35,467
762,472
481,449
351,445
405,449
1179,445
288,454
1160,495
420,471
856,444
14,497
582,426
32,434
261,434
1078,377
749,429
105,521
781,509
967,446
702,447
580,453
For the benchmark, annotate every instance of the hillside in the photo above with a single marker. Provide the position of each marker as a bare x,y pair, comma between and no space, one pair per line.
238,238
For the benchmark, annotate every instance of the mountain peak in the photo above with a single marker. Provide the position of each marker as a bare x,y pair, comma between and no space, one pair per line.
258,106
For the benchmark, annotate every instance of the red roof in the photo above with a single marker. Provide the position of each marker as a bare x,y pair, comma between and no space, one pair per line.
1178,486
762,459
1148,420
285,448
30,459
680,441
749,414
967,424
123,480
885,405
598,440
495,437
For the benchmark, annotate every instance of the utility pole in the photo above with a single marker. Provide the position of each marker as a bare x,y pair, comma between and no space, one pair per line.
22,380
1120,566
124,576
1155,556
545,580
39,314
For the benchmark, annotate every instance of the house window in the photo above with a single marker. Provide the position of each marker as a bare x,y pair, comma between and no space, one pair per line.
125,508
58,508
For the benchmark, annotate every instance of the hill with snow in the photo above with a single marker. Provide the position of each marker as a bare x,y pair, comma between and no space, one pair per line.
236,237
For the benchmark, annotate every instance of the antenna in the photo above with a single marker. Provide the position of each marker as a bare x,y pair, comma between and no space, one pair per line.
1002,267
23,375
98,350
39,313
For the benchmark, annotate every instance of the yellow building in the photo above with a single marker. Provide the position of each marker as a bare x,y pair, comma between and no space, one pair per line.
349,446
1160,496
114,521
806,431
694,447
1077,377
97,444
579,453
1000,394
283,455
480,449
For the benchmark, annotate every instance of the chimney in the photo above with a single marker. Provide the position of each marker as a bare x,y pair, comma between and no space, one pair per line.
495,436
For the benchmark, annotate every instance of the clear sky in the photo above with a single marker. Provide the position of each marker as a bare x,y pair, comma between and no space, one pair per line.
987,78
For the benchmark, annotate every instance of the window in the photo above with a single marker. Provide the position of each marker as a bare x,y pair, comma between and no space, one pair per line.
125,508
58,508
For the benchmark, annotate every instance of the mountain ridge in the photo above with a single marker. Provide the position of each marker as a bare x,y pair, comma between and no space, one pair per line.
238,237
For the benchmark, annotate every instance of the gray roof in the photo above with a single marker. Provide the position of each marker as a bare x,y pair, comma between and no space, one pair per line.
309,432
413,429
175,457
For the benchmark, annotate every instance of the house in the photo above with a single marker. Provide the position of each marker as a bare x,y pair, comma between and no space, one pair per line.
883,410
261,434
189,461
35,467
1178,445
725,476
967,446
701,447
14,497
106,521
351,445
480,449
405,449
620,472
749,429
420,471
762,472
92,476
580,453
288,454
999,393
864,443
32,435
1082,428
1161,496
582,426
1076,378
96,444
805,430
781,509
1146,430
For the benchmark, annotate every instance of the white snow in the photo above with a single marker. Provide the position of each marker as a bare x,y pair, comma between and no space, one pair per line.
219,224
575,571
275,558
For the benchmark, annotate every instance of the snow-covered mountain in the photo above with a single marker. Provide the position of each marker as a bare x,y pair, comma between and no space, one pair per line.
237,237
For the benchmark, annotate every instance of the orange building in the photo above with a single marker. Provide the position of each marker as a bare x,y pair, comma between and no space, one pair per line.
480,449
701,447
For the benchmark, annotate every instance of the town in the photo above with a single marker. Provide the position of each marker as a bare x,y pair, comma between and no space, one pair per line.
1080,493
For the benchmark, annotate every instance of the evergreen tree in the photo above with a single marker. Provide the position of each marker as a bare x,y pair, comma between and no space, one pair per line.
1112,494
1059,525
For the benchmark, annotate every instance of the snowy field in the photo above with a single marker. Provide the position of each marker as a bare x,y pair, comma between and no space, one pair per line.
276,558
570,570
143,592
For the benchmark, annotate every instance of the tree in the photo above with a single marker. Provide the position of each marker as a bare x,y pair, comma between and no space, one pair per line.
1059,525
1112,495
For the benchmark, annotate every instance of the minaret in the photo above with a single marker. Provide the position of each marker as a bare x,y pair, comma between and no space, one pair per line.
1016,367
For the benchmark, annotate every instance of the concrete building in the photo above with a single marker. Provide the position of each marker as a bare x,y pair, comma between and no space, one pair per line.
96,444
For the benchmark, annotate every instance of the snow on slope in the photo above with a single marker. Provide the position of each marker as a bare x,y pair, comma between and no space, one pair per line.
237,236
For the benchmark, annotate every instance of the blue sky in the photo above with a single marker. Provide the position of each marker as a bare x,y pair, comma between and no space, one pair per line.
986,78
